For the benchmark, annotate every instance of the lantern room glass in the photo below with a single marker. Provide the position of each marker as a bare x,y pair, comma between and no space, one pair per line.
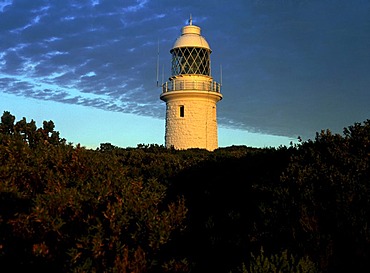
191,60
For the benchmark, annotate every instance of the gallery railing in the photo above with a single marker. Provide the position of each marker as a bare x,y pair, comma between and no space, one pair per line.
179,85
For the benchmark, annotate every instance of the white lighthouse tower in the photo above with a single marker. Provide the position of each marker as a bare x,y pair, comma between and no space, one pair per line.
191,94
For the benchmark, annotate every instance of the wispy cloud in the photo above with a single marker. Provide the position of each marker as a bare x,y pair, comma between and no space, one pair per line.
4,4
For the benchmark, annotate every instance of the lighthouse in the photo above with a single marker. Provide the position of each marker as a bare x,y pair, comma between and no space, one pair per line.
191,94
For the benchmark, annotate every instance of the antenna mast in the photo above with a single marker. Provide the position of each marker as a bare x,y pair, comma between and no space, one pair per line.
221,74
162,74
158,62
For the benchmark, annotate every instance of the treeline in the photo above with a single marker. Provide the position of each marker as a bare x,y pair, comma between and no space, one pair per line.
65,208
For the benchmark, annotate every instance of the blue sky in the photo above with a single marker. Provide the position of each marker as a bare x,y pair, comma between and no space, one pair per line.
289,67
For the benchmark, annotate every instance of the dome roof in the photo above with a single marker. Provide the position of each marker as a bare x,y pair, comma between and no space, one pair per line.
190,37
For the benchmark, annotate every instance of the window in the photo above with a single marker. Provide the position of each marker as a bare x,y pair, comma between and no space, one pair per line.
182,112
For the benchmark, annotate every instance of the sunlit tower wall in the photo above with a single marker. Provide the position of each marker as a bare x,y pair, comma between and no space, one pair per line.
191,94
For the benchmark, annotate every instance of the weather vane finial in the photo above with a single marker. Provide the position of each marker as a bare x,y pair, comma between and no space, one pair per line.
190,20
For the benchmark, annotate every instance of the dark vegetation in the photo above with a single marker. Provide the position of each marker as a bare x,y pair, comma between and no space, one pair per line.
65,208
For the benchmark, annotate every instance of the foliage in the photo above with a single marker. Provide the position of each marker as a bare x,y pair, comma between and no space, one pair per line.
65,208
325,198
282,262
226,195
